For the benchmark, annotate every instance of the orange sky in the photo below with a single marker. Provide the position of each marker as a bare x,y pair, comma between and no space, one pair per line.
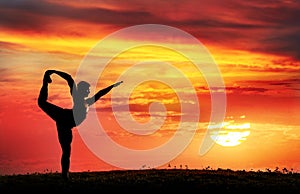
254,44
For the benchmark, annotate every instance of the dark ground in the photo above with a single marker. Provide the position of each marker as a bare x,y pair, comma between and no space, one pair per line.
150,181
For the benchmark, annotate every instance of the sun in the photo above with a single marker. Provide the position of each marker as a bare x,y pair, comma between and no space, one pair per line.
231,133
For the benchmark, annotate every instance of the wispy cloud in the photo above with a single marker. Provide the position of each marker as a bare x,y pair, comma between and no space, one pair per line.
269,27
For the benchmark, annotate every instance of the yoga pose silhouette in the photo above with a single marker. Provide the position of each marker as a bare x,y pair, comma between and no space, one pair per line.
65,118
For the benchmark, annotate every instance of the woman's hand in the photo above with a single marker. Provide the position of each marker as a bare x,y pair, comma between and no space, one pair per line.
118,83
47,78
50,71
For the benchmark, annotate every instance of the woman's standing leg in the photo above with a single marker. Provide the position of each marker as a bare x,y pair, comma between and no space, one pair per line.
65,139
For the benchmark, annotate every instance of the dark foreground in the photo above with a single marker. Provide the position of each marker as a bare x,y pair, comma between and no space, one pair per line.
149,181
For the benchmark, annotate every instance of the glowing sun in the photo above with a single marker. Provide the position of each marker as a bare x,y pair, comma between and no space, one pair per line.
231,133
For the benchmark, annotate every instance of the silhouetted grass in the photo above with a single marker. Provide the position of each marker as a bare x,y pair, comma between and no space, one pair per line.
153,180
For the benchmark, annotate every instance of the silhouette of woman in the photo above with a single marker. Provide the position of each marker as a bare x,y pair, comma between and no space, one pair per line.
66,119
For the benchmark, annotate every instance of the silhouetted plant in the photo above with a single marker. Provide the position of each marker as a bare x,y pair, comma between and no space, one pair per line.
285,170
207,168
268,170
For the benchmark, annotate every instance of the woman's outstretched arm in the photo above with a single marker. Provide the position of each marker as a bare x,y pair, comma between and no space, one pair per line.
101,93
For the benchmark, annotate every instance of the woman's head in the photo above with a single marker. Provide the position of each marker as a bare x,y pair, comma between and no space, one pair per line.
83,88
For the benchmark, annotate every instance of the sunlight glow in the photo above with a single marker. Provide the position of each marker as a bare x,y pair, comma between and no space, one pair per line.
230,134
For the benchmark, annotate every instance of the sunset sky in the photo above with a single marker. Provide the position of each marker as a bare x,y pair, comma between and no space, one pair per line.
254,44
